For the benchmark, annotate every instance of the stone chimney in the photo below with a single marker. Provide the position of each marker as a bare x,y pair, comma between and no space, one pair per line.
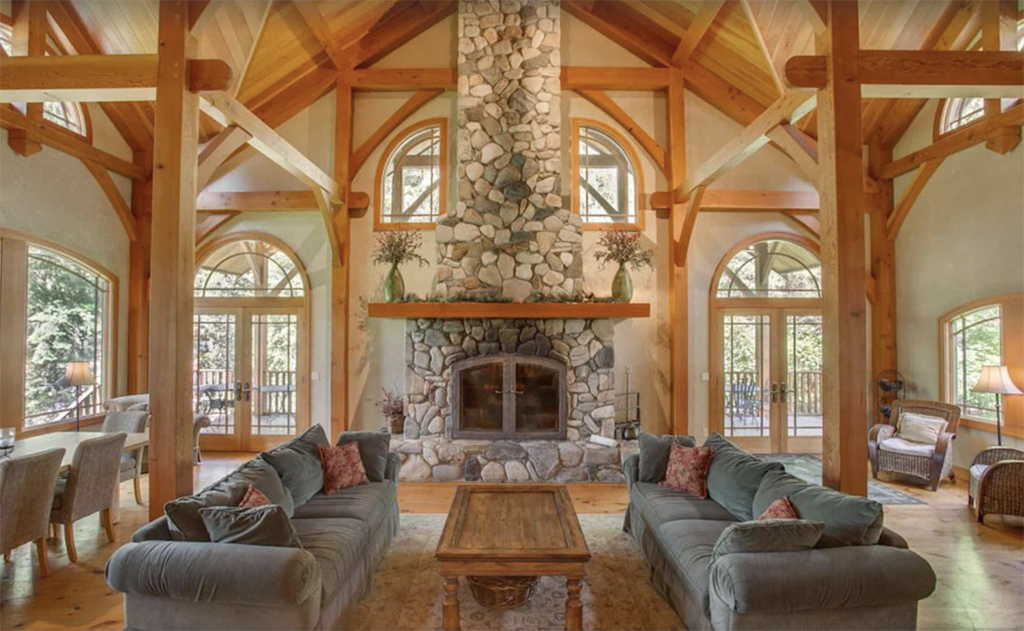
509,235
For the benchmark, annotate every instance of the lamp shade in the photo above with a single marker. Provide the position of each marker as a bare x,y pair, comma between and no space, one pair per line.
77,374
996,380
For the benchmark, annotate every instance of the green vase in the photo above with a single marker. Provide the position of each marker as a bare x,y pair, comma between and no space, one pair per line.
622,285
394,285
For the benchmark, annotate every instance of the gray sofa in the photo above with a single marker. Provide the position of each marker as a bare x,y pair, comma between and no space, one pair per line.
832,586
169,583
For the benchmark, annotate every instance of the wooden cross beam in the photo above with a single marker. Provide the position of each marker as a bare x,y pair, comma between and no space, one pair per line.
746,201
99,78
600,78
269,201
695,33
401,79
922,73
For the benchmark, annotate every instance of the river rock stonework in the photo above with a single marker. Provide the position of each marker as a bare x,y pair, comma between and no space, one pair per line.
584,346
509,235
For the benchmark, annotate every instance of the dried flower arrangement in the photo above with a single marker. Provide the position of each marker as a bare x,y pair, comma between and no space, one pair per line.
395,247
623,247
393,409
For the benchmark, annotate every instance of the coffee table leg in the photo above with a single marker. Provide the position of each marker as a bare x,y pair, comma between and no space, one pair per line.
451,603
573,606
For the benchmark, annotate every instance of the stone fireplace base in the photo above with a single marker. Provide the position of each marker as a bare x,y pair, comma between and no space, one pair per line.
445,460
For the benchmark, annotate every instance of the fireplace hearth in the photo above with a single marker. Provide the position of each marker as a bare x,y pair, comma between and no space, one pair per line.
509,396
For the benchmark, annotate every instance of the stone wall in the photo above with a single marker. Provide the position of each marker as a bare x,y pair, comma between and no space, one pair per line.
509,235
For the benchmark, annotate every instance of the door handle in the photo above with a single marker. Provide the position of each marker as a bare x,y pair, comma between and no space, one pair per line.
782,391
238,391
775,393
246,391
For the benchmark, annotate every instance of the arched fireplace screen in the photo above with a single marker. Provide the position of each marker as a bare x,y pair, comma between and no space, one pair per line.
509,396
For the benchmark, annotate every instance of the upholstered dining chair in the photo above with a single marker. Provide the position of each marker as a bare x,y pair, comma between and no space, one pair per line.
930,462
131,462
997,482
89,487
26,488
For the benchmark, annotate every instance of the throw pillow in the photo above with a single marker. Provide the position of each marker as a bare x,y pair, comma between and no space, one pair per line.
918,428
735,476
298,464
257,526
654,452
772,535
343,467
373,448
688,469
780,509
254,497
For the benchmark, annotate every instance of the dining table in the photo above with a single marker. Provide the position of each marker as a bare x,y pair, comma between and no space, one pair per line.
70,441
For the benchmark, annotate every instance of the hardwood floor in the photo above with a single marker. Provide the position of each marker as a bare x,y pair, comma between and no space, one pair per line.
980,568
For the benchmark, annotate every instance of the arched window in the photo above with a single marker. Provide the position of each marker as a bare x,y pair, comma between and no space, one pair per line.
70,116
248,268
771,268
411,191
606,177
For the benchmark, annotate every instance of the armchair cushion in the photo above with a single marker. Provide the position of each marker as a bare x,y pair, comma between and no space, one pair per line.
918,428
901,445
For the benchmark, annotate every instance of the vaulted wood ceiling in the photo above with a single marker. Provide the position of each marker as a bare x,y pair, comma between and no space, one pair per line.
278,47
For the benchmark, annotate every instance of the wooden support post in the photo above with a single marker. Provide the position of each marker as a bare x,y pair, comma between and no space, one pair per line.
679,312
883,270
841,190
28,38
172,261
999,32
138,289
340,267
13,327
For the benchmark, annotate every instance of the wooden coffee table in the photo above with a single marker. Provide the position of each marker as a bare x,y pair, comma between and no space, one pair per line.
512,530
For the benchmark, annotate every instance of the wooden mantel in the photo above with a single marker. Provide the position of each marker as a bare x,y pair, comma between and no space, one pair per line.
507,310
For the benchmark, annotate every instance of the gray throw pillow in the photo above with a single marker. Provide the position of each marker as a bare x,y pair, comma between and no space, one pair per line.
373,450
654,452
849,519
734,477
265,478
298,463
257,526
770,535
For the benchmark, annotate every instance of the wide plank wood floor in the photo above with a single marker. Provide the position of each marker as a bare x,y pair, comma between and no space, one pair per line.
980,568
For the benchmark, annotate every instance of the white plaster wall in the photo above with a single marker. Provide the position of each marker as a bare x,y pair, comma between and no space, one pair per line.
963,240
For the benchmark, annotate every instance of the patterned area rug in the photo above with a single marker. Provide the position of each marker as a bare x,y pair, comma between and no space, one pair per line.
407,590
808,469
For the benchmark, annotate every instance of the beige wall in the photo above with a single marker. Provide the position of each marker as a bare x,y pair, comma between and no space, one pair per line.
963,240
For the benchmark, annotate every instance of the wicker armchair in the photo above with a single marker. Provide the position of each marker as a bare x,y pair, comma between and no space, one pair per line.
888,452
997,482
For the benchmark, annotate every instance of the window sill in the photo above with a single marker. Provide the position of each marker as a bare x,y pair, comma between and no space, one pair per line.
64,426
384,227
635,227
990,427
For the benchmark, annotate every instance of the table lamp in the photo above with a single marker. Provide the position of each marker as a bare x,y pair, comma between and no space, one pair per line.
996,380
77,374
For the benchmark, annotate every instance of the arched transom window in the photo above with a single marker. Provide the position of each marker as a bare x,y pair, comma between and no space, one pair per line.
606,177
772,268
248,268
411,177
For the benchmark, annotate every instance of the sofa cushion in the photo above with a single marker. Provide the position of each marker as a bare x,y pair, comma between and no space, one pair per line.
689,547
257,526
366,502
770,535
298,464
337,545
654,452
735,476
659,505
373,449
849,520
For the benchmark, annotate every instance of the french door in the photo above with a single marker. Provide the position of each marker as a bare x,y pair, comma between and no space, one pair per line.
250,376
766,379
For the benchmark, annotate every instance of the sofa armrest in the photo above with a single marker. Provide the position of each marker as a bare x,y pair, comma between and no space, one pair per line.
223,573
831,578
993,455
394,464
631,467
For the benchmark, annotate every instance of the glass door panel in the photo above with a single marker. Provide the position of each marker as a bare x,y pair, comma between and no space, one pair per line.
273,356
215,381
746,352
481,404
803,397
537,398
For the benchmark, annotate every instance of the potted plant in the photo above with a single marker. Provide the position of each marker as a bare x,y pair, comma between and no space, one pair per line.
395,248
393,409
623,247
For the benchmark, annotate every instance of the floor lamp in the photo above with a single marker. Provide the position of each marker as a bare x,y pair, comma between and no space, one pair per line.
996,380
77,374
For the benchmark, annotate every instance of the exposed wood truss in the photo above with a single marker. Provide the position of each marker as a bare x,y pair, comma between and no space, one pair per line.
696,31
747,201
910,195
415,102
620,116
269,201
208,223
215,152
121,207
321,30
603,78
401,79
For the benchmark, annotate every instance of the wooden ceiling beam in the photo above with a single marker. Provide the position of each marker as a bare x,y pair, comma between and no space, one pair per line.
96,78
800,147
695,33
121,207
601,17
922,74
607,105
613,79
28,38
257,36
689,221
208,223
804,223
374,44
814,11
321,31
201,14
401,79
720,200
910,195
999,33
227,110
269,201
773,71
963,138
790,108
215,152
415,102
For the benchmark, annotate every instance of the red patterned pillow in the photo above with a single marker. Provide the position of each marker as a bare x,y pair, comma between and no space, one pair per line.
688,469
254,497
343,467
780,509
